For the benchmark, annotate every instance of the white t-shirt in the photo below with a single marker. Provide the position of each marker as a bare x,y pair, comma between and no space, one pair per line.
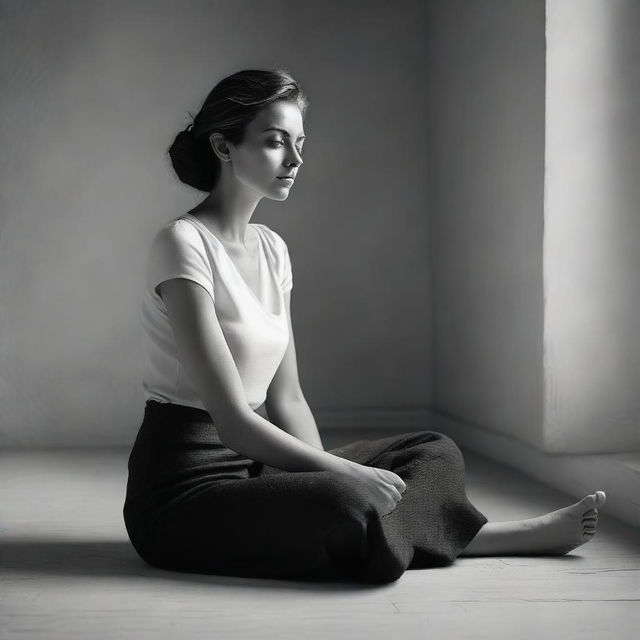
256,328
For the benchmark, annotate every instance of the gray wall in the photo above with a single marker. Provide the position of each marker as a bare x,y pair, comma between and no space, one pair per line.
592,226
92,96
534,123
486,71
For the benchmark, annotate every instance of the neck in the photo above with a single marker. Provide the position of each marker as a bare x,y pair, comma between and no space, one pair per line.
227,210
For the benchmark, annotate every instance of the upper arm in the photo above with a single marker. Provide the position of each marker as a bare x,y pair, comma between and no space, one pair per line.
177,251
203,350
285,385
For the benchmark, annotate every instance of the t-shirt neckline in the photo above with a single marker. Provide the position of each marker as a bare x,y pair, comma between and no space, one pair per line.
233,266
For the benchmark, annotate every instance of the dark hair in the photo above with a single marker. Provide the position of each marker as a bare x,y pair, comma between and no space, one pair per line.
230,106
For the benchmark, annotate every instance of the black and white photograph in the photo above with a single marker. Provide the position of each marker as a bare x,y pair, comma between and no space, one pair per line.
319,319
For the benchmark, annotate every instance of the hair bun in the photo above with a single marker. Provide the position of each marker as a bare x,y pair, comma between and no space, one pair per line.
193,164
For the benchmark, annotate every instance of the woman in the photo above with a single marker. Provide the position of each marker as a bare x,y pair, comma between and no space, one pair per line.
213,486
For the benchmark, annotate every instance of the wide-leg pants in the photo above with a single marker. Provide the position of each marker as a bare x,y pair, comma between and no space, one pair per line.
194,505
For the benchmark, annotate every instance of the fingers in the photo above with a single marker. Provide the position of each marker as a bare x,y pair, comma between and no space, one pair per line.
397,496
395,480
391,487
398,482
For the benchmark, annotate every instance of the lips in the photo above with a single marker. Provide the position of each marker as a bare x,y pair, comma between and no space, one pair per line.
286,177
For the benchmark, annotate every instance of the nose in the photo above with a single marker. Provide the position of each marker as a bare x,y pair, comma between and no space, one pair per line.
296,159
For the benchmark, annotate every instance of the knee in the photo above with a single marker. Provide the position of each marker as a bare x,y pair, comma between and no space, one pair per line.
432,445
429,443
451,450
447,441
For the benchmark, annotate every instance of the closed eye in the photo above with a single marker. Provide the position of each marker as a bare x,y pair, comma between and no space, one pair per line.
281,142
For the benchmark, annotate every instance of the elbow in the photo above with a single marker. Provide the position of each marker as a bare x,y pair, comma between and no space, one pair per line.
231,425
275,404
280,410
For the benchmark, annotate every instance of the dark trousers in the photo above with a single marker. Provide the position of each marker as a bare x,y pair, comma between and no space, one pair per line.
194,505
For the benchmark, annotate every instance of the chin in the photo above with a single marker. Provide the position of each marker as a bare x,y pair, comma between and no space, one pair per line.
281,195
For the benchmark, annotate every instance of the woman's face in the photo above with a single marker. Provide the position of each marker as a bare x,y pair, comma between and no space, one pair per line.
271,149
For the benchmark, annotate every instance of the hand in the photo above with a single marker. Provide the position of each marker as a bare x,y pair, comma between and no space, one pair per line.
384,487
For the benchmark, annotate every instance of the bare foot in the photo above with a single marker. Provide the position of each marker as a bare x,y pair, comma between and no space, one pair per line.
554,533
558,532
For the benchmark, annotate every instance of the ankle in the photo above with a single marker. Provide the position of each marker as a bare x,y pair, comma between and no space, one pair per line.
503,537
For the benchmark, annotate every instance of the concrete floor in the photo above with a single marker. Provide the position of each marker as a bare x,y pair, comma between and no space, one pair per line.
68,571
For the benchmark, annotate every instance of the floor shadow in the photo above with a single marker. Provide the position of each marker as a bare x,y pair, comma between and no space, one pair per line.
113,558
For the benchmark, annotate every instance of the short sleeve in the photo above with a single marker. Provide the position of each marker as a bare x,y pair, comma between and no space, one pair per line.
177,251
286,280
284,262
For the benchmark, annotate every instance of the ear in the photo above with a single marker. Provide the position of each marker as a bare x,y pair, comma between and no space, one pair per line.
219,146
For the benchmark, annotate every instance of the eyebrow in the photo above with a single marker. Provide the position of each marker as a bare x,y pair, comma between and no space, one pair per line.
283,132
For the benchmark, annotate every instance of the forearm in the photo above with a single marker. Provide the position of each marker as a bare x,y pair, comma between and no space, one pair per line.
253,436
295,418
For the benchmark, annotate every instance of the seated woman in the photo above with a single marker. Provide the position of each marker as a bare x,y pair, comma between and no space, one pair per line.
213,486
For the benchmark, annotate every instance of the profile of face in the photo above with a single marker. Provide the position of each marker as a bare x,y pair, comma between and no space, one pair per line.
271,149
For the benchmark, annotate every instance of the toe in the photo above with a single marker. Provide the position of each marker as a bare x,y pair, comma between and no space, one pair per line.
589,502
